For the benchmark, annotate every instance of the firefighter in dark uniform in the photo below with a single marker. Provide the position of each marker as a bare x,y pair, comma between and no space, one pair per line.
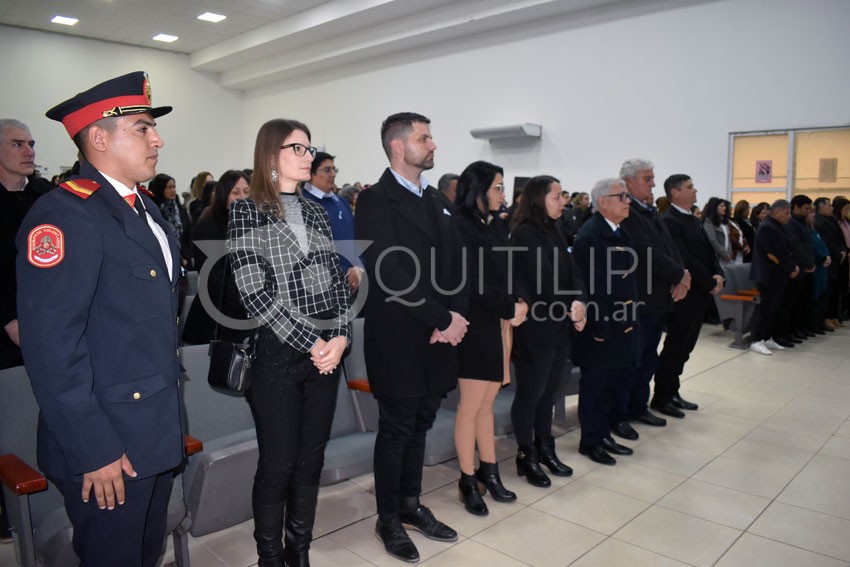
98,271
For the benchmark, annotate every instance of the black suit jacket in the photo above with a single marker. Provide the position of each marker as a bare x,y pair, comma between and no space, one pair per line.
607,268
695,249
663,263
773,261
412,253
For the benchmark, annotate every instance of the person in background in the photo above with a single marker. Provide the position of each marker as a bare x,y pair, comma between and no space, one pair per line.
758,214
717,229
661,203
17,195
447,185
772,267
542,345
203,203
290,281
573,218
830,232
484,354
841,212
320,190
164,190
350,194
741,218
219,285
820,277
197,188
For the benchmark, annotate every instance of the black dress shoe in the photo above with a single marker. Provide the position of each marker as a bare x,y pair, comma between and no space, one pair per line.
396,541
624,430
613,447
650,418
422,520
667,408
792,338
597,454
800,335
783,342
681,403
810,332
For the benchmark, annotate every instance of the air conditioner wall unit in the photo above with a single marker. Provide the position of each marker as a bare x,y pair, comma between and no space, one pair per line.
526,130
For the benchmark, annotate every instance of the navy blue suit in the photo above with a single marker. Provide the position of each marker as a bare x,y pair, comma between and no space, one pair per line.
341,220
99,336
606,262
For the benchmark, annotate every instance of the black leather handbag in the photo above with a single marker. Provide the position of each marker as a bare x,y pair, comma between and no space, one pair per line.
230,364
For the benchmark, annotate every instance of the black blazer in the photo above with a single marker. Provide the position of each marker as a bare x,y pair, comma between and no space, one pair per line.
411,288
612,288
695,249
801,242
647,230
773,261
490,299
832,236
543,263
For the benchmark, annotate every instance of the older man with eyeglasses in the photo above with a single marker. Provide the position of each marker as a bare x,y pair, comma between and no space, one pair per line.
320,188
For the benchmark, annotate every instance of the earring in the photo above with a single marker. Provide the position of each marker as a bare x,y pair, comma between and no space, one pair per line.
275,175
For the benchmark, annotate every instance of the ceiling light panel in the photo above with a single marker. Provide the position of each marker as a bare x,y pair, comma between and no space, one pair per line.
165,37
64,20
210,17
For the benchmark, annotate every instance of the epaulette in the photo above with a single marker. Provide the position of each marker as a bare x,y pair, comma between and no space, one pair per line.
82,188
144,190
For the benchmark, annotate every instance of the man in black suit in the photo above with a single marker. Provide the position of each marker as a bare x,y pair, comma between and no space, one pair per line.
413,320
607,349
792,316
773,267
685,320
662,279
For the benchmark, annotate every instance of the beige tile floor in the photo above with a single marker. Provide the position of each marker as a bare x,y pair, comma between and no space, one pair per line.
760,475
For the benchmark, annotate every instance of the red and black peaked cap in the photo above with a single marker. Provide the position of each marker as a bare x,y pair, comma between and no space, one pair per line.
121,96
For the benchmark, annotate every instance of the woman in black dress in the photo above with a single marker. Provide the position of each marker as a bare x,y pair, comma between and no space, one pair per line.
542,344
483,366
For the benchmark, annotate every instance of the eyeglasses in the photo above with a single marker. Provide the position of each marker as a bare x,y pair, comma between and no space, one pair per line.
624,197
500,187
328,170
301,149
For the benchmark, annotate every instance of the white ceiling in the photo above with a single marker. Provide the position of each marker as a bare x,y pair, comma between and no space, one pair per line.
266,41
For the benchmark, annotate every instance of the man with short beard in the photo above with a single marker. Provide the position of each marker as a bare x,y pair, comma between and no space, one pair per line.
414,317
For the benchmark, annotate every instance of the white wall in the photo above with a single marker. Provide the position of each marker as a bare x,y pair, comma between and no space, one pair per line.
665,85
668,86
40,70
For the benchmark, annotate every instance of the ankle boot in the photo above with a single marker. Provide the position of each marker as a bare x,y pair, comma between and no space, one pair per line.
268,500
527,466
300,517
488,475
546,455
470,496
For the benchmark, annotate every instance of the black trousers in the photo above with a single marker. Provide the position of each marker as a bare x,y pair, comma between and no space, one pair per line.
400,450
538,378
632,395
683,326
788,312
765,315
293,407
131,535
595,395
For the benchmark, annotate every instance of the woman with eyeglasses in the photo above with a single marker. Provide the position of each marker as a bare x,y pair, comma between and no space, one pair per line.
290,281
542,344
496,305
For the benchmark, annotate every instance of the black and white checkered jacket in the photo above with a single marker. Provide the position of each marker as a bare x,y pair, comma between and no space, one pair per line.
280,286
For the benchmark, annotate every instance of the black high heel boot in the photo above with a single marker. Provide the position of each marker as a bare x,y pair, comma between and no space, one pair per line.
546,455
527,466
469,494
488,475
300,517
267,499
